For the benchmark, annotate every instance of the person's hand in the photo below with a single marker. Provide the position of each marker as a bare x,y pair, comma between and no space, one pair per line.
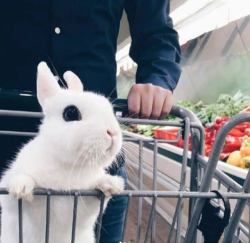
149,101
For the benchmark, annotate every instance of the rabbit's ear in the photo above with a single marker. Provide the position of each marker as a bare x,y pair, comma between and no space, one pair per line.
47,85
73,82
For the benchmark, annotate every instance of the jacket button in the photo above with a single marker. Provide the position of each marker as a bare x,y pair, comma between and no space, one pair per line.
57,30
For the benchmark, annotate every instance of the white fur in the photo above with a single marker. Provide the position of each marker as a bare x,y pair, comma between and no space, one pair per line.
74,83
64,156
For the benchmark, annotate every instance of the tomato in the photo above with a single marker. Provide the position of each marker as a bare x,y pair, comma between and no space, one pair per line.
217,126
207,152
208,146
208,129
208,138
224,118
213,133
218,120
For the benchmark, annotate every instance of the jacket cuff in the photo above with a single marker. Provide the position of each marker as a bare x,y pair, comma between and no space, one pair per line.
158,80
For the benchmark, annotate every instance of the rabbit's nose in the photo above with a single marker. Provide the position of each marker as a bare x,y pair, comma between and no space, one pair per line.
110,133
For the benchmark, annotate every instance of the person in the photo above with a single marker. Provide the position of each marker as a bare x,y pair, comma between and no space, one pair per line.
81,36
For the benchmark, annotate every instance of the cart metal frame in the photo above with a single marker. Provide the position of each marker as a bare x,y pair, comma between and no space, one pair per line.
202,174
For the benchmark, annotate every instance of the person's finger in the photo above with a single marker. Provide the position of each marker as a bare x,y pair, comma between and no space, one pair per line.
167,106
147,98
134,102
158,103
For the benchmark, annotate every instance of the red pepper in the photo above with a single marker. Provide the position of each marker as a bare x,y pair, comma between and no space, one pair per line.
233,141
247,132
232,144
230,149
242,127
236,133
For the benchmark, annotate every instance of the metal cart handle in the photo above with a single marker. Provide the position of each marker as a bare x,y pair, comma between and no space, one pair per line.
27,101
177,111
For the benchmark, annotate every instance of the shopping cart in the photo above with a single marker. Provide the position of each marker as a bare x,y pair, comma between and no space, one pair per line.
204,177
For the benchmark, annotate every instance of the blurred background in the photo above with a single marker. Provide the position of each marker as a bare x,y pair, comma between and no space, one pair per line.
215,40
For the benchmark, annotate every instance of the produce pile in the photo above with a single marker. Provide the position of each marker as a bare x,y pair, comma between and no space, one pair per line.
146,130
241,157
226,105
233,141
213,117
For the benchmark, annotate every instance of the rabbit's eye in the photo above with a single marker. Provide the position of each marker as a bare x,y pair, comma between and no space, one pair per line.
71,113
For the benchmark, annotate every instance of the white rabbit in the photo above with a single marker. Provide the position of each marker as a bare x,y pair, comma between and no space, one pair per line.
78,139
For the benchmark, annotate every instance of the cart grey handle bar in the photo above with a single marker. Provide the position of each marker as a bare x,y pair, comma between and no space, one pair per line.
177,111
207,179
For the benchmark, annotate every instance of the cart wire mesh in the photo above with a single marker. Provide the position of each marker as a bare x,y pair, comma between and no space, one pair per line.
203,177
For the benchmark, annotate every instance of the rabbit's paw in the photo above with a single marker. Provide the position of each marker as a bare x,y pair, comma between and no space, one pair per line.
110,185
21,186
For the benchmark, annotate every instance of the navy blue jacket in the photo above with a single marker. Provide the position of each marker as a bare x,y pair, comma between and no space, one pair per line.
81,35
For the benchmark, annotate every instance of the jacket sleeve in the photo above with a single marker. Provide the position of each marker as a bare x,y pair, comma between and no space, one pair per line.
155,44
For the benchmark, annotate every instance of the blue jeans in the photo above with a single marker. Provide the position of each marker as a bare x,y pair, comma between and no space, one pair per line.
113,218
